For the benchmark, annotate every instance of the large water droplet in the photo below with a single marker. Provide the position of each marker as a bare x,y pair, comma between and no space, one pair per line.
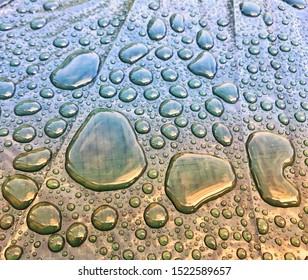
170,108
214,106
13,252
78,70
105,161
131,53
299,4
156,29
170,131
250,9
7,88
54,128
204,65
32,161
141,76
177,23
269,154
24,133
38,23
178,91
227,91
164,53
27,108
44,218
19,190
205,40
194,179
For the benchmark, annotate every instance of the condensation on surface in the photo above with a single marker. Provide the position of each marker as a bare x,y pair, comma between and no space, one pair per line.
153,129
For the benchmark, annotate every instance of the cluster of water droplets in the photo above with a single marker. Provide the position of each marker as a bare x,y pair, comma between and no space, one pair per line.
153,132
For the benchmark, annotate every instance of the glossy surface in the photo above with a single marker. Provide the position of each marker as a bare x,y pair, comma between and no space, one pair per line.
180,77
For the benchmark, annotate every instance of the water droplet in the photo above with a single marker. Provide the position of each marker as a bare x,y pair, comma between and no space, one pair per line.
151,94
38,23
56,242
19,190
13,252
141,76
44,218
142,126
170,108
205,40
141,233
250,9
267,256
127,94
46,93
241,253
269,154
299,4
27,108
7,88
131,53
128,254
227,91
280,221
155,215
177,23
164,53
101,161
54,128
178,91
181,121
214,106
300,116
185,53
51,5
68,110
204,65
76,234
210,242
247,236
107,91
262,226
32,161
78,70
170,131
157,142
250,97
116,76
24,133
52,184
194,179
104,218
61,42
268,19
198,130
156,29
222,134
223,233
169,75
6,221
